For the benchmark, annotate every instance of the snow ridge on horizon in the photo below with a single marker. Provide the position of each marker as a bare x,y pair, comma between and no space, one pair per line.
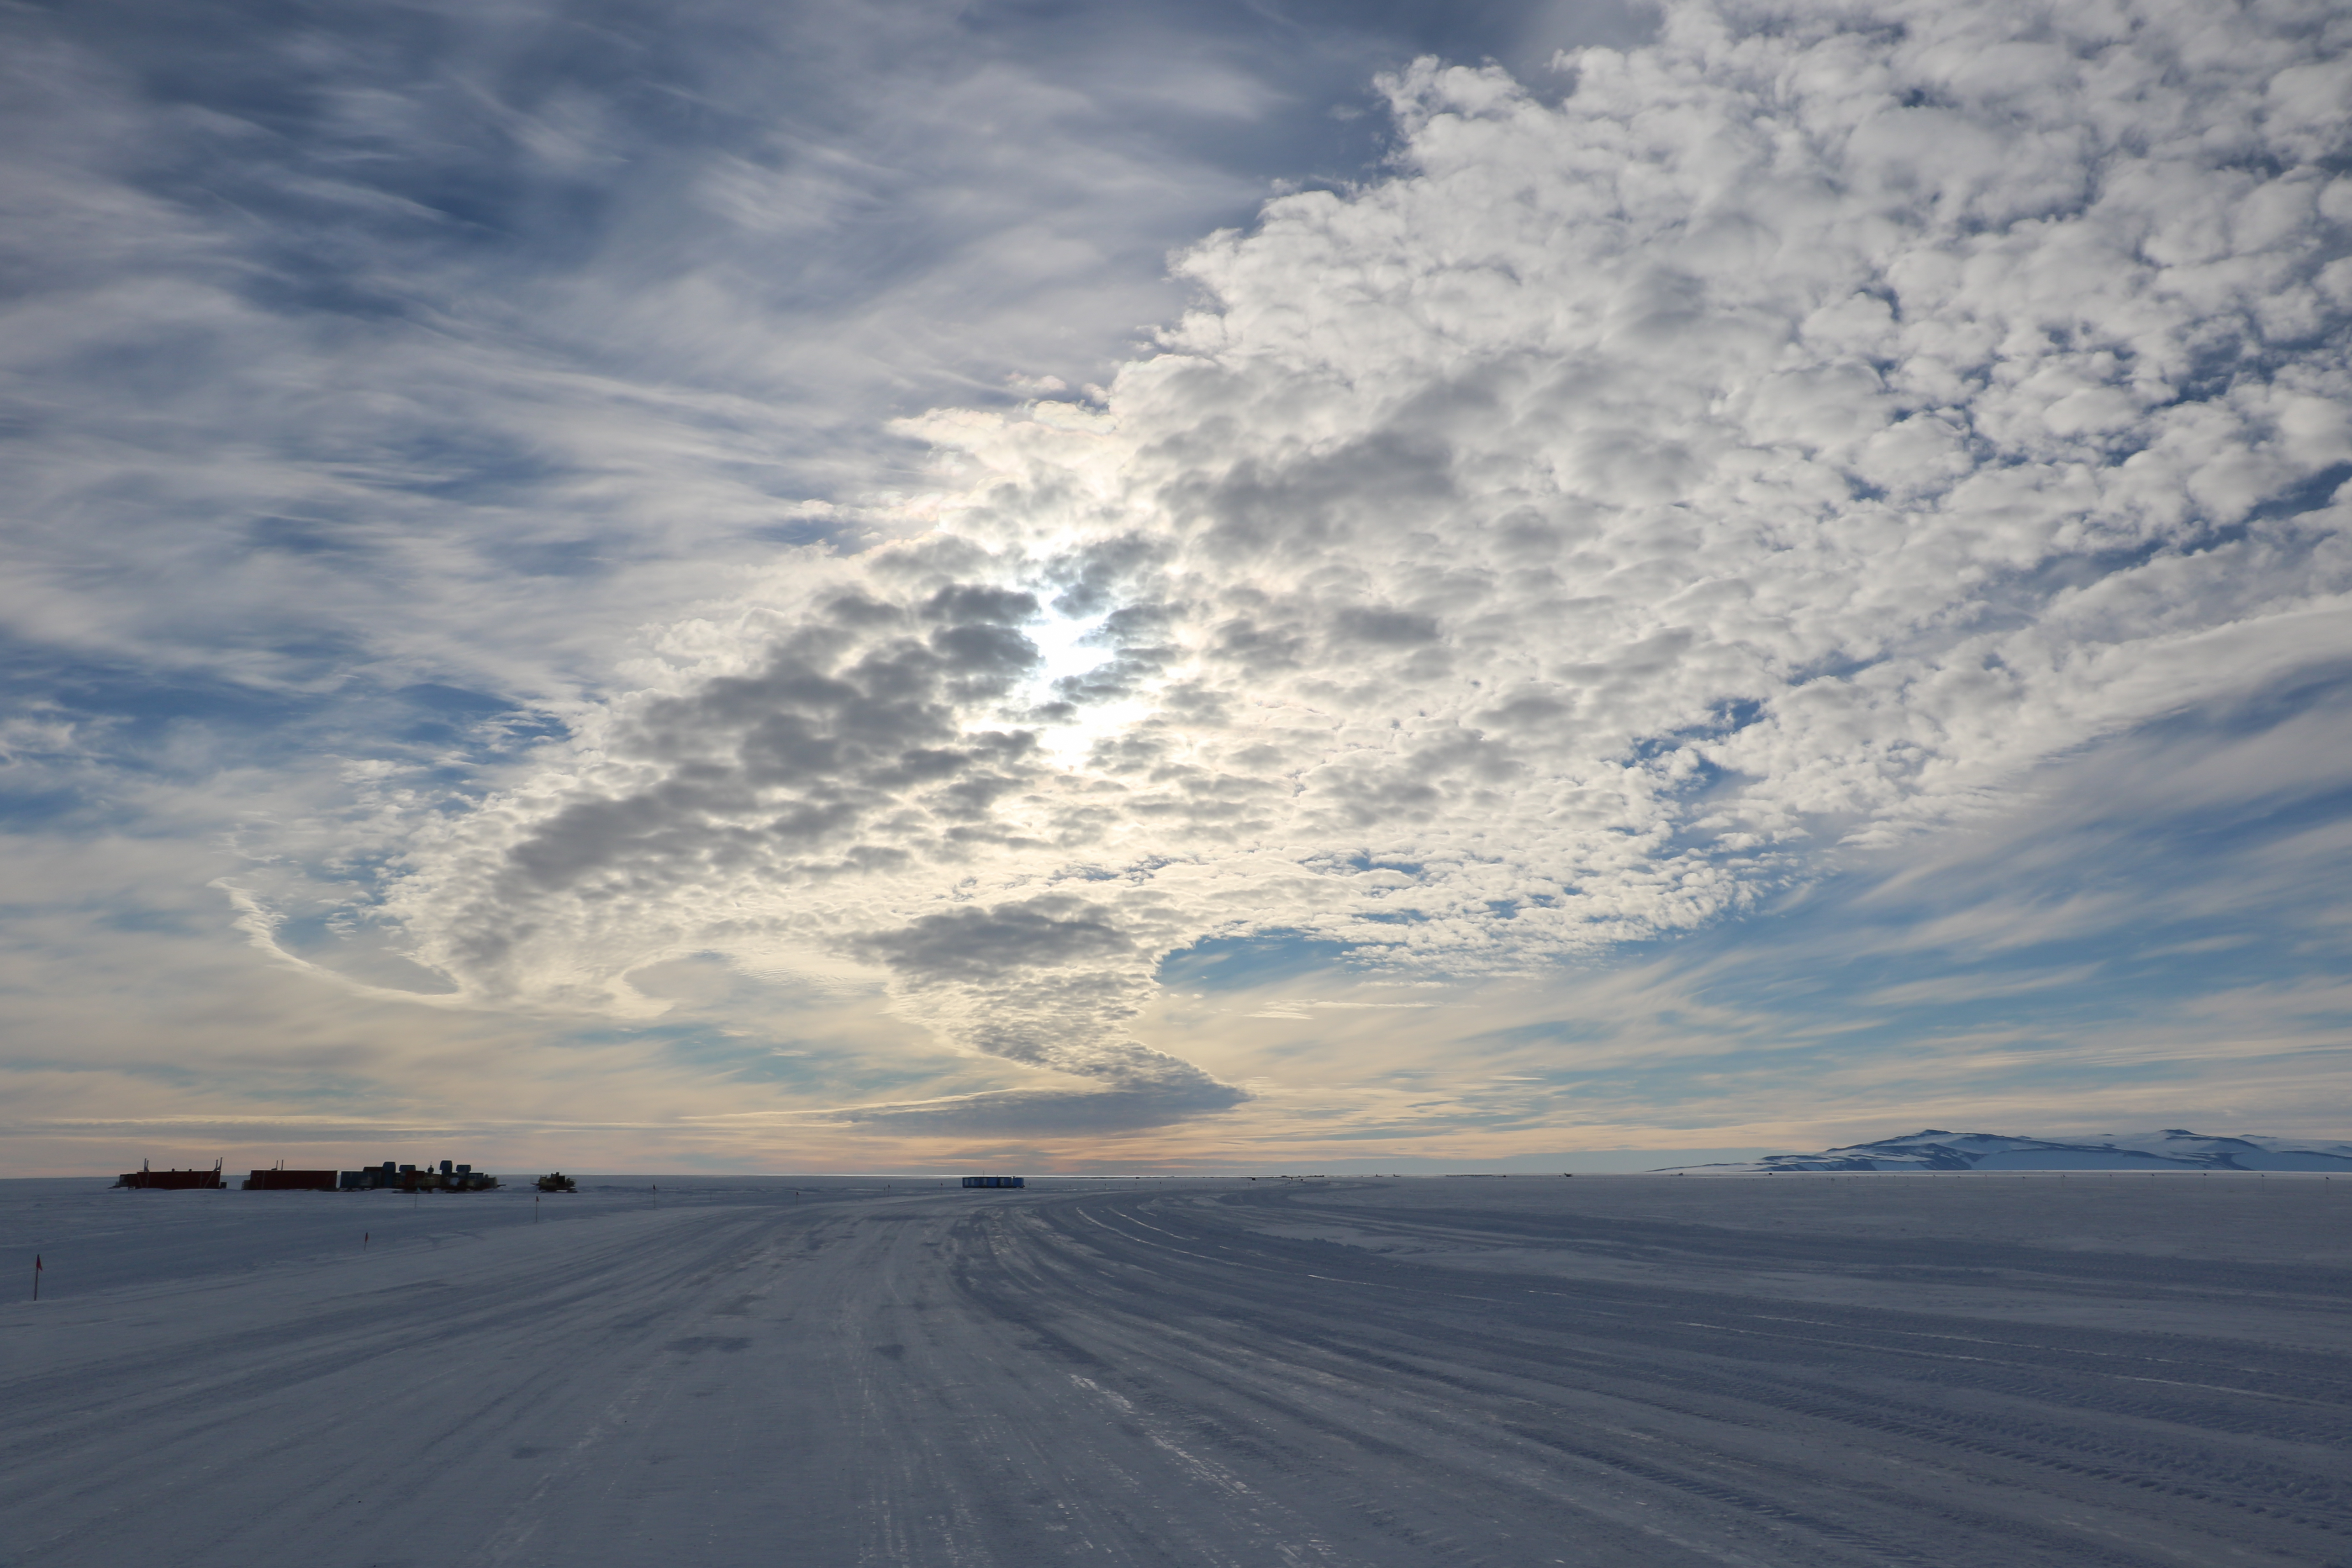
2173,1148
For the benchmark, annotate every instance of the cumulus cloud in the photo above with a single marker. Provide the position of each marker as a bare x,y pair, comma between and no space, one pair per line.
1815,420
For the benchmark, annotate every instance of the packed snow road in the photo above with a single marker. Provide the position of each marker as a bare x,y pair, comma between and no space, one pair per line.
1618,1371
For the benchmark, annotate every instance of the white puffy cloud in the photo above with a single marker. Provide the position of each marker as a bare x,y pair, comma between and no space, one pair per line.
1816,419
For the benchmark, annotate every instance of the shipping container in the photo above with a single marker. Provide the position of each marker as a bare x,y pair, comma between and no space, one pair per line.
293,1182
172,1181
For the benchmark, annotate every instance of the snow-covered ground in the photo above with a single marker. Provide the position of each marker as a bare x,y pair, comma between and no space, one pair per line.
2168,1149
1619,1371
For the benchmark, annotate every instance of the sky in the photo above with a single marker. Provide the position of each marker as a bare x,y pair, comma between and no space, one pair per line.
1170,587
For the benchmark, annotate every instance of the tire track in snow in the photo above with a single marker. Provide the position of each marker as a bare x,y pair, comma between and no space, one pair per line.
1152,1377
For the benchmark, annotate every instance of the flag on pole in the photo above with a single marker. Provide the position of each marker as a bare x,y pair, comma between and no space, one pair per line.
36,1277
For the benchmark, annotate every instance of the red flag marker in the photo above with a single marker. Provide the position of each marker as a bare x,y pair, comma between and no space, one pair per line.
36,1277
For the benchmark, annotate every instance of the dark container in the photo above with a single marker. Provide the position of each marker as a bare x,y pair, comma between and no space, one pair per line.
994,1181
172,1181
293,1182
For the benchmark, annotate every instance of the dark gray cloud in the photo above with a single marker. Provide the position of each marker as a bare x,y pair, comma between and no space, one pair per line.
844,749
977,944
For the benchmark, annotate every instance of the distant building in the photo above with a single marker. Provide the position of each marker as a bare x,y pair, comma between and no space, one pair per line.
996,1181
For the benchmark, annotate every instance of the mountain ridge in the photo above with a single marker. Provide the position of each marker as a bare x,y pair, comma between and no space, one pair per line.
2170,1148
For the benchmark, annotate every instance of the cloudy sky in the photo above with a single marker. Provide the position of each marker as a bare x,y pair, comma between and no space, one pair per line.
1262,584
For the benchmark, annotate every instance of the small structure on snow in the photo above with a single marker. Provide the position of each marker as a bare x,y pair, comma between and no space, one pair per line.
996,1181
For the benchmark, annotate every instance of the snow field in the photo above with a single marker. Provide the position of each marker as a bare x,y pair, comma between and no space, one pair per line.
1608,1371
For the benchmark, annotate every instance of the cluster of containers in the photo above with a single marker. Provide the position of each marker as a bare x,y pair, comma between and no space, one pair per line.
993,1182
449,1178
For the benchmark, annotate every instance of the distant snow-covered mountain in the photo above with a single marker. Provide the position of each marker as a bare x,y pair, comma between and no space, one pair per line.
2173,1149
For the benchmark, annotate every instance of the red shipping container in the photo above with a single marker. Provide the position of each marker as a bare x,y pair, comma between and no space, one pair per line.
176,1180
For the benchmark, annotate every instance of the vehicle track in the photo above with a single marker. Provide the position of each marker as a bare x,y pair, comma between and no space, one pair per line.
1154,1376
